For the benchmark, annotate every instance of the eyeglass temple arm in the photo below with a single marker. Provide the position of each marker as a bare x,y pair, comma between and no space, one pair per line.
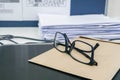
97,44
1,43
10,37
82,52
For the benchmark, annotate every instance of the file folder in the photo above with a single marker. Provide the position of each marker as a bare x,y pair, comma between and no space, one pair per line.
107,55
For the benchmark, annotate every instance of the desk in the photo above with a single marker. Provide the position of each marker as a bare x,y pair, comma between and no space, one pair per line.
14,64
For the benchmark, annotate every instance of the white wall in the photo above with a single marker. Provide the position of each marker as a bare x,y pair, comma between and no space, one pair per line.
15,10
113,8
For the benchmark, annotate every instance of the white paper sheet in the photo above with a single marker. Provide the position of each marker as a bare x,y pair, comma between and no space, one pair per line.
49,19
95,26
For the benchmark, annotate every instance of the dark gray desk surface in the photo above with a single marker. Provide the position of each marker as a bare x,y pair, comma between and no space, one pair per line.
14,64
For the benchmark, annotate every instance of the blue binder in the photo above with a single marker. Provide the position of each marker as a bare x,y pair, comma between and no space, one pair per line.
79,7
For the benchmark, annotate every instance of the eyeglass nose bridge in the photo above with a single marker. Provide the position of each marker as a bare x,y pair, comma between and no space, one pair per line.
71,47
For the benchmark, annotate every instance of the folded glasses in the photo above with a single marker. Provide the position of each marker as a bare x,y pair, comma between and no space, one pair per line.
79,50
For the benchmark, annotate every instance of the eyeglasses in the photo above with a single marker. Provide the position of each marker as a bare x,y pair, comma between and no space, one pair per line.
11,37
80,51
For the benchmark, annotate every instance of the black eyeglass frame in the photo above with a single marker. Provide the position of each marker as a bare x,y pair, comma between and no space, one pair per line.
11,37
70,46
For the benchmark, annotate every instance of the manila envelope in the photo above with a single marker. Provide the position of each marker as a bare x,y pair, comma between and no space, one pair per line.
107,55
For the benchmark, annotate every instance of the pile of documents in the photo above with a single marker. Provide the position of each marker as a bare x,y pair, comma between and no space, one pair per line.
94,26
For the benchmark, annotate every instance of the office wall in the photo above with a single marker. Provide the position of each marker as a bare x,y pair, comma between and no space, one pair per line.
113,8
78,7
22,10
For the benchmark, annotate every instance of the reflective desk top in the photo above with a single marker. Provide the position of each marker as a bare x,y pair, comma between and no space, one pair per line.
14,64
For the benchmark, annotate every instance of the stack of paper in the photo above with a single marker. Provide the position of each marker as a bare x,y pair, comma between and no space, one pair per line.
96,26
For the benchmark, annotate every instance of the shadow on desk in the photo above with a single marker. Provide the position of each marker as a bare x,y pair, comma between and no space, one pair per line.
14,64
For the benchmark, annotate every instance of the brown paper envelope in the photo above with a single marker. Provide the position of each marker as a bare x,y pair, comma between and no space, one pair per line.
107,55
